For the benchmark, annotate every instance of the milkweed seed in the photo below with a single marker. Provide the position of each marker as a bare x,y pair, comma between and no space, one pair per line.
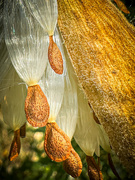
36,107
73,164
55,57
15,146
57,144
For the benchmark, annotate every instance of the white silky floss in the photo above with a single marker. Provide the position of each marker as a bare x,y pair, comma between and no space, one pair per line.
7,81
26,42
46,13
12,104
5,62
68,115
89,135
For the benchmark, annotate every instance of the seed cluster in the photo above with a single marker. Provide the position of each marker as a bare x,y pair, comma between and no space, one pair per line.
58,147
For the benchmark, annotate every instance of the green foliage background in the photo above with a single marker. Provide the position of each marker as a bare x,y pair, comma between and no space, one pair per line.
33,164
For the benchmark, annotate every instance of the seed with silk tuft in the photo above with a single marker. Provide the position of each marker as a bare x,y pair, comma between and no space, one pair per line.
55,57
73,164
36,107
57,144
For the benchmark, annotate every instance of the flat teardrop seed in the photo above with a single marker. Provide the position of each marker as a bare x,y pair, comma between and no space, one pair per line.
73,165
15,146
55,57
36,107
57,144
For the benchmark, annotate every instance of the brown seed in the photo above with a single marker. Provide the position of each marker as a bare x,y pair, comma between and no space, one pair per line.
23,131
15,146
73,164
94,171
36,107
57,144
55,57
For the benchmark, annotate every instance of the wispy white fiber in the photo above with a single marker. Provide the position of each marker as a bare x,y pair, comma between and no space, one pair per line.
89,135
8,81
12,104
68,114
5,62
52,84
46,13
26,42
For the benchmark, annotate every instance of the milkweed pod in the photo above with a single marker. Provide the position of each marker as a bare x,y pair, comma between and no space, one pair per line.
36,107
55,57
73,165
26,42
15,146
46,13
57,144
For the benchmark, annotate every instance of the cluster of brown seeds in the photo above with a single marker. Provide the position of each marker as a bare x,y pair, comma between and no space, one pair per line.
57,144
58,147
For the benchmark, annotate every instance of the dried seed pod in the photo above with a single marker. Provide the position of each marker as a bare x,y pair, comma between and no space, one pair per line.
105,72
57,144
15,146
94,171
73,164
36,107
55,57
23,131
